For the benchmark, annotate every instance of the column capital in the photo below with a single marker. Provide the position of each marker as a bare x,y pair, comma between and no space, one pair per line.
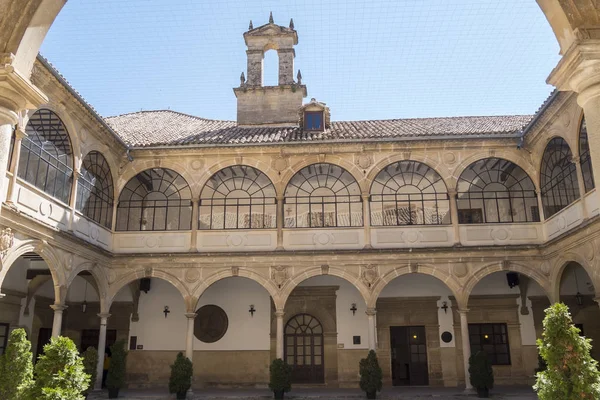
371,311
279,313
20,133
104,315
463,311
576,160
58,307
190,315
452,192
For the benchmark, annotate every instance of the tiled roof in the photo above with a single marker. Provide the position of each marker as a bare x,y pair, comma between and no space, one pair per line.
169,128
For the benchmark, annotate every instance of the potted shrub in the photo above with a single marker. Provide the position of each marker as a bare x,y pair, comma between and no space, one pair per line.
370,375
181,376
16,369
570,373
90,365
280,378
59,372
116,371
481,374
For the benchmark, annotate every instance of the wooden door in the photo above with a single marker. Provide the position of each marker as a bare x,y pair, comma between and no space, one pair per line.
409,355
304,349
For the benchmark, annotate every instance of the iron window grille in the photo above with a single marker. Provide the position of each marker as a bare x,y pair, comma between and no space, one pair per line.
584,157
408,193
238,197
493,339
46,159
157,199
321,196
95,189
558,177
493,190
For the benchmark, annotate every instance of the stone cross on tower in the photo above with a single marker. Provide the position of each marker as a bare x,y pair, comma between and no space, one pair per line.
270,105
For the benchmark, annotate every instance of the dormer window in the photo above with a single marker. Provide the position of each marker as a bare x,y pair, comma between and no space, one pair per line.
313,121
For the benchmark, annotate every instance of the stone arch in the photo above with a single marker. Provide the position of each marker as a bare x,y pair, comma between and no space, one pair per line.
110,160
559,268
262,166
99,278
352,169
500,266
50,257
294,281
116,286
430,162
424,269
136,166
229,273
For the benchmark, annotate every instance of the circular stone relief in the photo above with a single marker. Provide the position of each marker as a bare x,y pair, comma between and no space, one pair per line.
210,324
446,337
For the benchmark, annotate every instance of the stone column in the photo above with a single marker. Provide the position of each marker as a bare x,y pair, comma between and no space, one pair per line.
14,164
280,219
286,66
255,67
371,312
452,197
57,322
114,214
366,220
189,338
540,204
466,345
195,211
101,348
73,198
581,184
279,334
8,119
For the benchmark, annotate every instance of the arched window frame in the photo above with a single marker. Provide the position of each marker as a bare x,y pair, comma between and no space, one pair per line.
516,201
408,193
171,212
95,190
558,177
223,207
46,159
584,157
303,208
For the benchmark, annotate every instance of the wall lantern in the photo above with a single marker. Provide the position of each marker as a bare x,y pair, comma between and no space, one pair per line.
353,309
84,304
166,311
252,310
578,296
445,307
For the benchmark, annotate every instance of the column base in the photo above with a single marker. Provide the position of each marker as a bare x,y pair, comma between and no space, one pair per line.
469,390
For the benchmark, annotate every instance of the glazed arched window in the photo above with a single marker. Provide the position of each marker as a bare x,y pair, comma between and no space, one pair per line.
558,177
409,193
584,158
157,199
46,157
238,197
496,190
95,189
322,195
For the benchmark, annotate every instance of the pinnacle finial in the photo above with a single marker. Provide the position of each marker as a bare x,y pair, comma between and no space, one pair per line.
250,27
271,17
242,79
299,77
291,23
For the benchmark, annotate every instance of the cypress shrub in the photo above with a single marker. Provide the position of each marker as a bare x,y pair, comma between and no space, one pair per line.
16,368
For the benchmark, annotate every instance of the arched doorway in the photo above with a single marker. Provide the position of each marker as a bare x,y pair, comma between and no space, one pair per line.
303,337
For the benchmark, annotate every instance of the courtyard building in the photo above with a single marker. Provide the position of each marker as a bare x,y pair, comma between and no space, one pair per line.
288,234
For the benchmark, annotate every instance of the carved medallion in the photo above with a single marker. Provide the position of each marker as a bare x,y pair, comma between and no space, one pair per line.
364,161
369,274
545,268
196,164
112,276
449,158
7,239
279,164
192,275
210,324
279,275
588,251
460,270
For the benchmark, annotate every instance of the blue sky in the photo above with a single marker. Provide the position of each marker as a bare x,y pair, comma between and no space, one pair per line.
370,59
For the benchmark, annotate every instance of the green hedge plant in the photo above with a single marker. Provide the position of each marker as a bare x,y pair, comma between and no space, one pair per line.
117,369
16,368
181,376
90,365
370,375
280,378
481,373
59,372
571,373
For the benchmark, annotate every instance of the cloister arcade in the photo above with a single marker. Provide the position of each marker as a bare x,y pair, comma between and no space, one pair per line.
313,254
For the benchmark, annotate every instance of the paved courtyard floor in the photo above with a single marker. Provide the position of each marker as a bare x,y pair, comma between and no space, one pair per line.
412,393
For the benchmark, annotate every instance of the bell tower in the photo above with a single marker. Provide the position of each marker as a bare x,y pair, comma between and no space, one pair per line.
270,105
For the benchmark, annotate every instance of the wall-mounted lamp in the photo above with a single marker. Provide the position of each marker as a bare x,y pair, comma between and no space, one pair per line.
353,309
445,307
166,311
578,296
84,304
252,310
